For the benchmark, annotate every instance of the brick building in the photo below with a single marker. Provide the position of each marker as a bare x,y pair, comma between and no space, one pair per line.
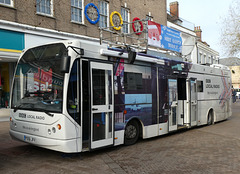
26,23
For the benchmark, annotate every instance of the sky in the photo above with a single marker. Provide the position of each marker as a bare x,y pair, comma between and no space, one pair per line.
209,15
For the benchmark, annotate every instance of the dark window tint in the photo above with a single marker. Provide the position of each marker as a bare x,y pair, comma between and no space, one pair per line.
133,81
181,89
73,92
99,90
199,86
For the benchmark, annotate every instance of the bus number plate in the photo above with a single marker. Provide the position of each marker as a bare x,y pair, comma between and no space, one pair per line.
29,139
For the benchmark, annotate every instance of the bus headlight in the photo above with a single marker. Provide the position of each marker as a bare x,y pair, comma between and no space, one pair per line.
49,131
53,129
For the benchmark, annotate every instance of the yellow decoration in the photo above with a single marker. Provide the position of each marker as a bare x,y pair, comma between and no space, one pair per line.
111,20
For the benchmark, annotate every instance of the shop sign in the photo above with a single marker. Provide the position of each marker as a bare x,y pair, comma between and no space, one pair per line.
11,41
164,37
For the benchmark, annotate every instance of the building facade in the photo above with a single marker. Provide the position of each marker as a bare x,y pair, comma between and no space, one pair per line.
234,65
205,54
193,48
27,23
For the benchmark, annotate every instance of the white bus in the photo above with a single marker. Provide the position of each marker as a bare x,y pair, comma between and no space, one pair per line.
75,96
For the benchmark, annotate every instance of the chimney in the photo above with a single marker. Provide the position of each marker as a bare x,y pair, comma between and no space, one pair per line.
174,9
198,32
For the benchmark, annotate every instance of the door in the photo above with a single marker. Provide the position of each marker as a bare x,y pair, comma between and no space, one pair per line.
101,104
193,88
173,103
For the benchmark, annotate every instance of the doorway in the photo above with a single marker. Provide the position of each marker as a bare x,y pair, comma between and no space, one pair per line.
97,104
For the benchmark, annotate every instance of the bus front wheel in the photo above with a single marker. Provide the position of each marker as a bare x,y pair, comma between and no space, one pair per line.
131,133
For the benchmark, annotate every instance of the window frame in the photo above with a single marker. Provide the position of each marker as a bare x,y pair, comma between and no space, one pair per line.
82,12
9,5
125,11
103,15
42,13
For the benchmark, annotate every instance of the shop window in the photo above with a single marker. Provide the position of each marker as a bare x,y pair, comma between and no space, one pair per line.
4,85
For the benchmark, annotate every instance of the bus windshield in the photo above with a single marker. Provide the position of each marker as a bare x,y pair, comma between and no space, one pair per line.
38,82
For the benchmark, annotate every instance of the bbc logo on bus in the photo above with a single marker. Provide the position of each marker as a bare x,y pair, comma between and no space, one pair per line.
22,115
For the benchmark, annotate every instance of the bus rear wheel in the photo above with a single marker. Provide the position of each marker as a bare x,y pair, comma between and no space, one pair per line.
210,118
131,133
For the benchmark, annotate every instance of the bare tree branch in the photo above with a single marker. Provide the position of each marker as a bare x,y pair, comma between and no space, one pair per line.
230,38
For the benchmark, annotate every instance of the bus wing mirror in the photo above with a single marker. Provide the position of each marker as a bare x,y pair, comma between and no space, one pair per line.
65,64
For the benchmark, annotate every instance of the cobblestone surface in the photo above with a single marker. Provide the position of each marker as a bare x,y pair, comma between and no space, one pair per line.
208,149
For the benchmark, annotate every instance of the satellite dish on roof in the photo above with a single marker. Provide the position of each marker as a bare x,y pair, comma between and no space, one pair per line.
188,46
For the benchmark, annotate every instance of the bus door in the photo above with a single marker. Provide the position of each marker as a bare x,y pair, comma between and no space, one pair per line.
173,103
182,98
193,101
101,77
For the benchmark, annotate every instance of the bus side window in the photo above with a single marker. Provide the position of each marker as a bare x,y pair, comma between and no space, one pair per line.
199,86
133,81
73,92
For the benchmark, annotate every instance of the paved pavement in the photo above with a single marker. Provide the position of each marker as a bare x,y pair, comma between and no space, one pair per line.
4,114
203,150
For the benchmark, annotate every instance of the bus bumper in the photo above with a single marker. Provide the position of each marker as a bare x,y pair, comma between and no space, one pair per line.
67,146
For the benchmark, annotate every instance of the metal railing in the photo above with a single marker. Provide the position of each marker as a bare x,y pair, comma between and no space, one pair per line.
118,38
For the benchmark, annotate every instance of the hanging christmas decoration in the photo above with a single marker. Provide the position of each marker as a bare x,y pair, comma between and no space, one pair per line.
137,26
92,13
116,20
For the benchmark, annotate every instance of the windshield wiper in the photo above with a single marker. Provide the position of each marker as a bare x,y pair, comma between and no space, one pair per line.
46,112
16,108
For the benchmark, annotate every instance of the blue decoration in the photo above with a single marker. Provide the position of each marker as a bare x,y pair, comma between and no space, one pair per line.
85,12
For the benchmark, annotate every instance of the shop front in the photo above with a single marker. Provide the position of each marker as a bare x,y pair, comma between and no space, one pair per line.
11,45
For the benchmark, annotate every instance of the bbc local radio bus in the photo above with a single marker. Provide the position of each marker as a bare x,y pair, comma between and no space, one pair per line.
76,95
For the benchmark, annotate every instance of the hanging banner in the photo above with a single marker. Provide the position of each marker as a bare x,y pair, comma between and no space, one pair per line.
164,37
154,32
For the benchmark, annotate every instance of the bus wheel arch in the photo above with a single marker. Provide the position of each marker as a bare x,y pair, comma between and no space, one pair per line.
133,130
210,117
